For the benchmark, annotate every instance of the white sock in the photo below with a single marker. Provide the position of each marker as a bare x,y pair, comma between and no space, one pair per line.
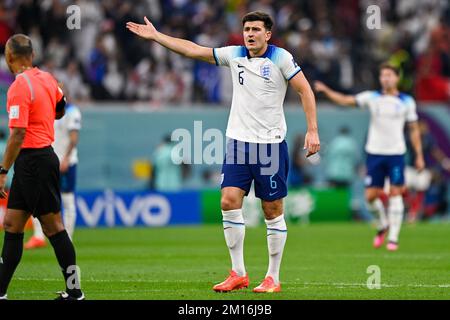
37,229
276,239
377,209
234,230
68,200
396,209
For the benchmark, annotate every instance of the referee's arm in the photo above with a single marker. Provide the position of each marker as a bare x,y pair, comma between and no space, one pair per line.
13,146
60,108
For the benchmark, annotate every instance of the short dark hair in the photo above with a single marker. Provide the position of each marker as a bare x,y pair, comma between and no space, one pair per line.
390,66
20,45
259,16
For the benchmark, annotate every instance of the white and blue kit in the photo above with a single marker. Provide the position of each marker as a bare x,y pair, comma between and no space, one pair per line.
386,145
256,120
71,121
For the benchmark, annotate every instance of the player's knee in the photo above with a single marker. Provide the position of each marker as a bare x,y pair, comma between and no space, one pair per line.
272,210
229,203
397,191
272,213
371,196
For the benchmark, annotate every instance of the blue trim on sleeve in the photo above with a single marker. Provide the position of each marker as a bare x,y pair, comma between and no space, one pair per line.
70,108
295,73
405,98
374,94
215,57
242,52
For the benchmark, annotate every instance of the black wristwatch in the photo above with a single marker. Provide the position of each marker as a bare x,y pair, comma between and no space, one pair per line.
3,170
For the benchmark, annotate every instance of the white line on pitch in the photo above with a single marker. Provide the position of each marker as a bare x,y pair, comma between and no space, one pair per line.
334,284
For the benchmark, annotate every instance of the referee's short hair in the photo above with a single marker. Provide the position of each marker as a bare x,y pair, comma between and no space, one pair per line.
20,45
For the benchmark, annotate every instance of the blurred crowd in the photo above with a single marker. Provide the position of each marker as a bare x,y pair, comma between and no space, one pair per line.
330,39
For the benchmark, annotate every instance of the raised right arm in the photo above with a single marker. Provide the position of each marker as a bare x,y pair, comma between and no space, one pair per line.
184,47
336,97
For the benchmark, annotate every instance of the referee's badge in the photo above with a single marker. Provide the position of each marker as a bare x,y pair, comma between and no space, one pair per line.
14,112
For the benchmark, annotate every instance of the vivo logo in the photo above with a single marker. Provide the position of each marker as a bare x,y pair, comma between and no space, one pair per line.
152,210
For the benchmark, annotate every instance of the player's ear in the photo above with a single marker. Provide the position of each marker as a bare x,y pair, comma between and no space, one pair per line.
268,35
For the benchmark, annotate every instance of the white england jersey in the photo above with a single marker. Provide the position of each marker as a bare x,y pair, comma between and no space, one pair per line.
70,121
388,115
259,89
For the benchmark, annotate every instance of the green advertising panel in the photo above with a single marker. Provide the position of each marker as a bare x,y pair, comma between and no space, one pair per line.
301,206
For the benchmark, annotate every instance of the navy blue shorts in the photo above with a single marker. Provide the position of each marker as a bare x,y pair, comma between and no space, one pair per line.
68,179
266,164
379,167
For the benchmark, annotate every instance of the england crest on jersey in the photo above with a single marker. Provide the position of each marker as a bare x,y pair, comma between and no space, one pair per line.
265,71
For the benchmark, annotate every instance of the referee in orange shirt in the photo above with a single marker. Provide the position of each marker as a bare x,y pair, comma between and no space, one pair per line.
34,101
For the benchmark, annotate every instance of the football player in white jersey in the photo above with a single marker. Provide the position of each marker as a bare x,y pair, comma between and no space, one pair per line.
65,146
389,111
260,74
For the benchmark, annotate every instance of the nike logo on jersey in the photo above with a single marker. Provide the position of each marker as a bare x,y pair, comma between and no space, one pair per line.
272,193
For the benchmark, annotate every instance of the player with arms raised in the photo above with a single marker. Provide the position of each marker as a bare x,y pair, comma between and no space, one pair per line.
260,74
385,147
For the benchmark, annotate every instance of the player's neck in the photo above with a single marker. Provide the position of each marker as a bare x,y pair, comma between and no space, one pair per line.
258,53
391,92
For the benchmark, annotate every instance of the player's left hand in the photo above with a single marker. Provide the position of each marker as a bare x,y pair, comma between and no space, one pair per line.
3,179
312,142
420,163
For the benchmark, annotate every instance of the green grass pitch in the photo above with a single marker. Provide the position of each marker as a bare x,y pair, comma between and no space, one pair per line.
321,261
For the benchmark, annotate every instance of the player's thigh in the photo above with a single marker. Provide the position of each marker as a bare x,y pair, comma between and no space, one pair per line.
376,172
271,175
14,220
68,180
272,209
51,223
232,198
396,169
236,182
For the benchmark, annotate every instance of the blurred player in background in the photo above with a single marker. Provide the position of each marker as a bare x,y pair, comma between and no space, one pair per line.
418,182
260,74
65,146
385,147
34,101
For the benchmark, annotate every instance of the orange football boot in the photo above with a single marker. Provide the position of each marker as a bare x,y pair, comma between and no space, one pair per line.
268,285
35,243
233,282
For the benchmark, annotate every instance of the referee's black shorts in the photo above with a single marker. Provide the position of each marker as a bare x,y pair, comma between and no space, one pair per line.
35,184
